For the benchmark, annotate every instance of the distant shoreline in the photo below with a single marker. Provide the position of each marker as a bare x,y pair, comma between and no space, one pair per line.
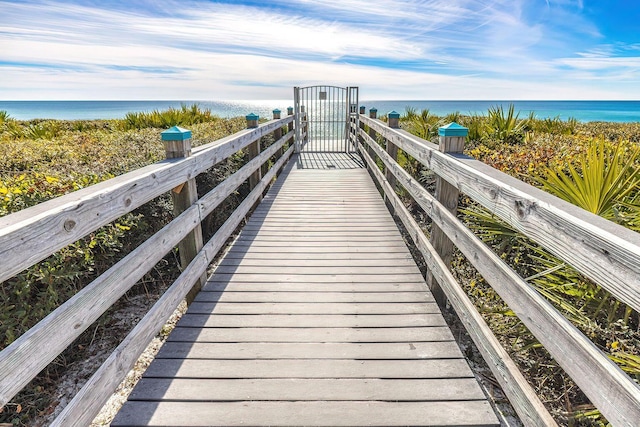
583,111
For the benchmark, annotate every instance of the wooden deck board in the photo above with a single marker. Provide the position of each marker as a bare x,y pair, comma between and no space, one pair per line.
312,335
314,297
320,413
317,315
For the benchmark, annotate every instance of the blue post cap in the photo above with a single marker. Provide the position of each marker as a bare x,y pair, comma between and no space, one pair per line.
252,116
453,129
175,133
276,111
290,108
393,115
373,109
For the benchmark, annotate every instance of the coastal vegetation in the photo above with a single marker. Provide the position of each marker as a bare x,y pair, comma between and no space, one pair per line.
593,165
44,159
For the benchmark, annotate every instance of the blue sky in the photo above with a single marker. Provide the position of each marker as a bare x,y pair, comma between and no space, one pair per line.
391,49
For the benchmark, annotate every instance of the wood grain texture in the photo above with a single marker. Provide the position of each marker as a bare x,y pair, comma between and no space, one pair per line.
32,234
608,387
521,395
603,251
321,413
90,399
327,310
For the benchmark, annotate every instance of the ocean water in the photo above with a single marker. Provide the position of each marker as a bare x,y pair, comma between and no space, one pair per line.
584,111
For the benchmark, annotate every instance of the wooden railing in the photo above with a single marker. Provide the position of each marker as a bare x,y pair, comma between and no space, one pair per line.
31,235
606,253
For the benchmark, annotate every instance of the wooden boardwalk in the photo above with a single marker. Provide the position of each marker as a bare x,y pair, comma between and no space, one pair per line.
317,315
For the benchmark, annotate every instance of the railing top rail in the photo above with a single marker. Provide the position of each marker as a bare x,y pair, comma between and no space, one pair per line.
30,235
607,253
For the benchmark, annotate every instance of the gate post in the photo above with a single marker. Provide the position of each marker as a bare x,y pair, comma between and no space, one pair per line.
452,139
177,144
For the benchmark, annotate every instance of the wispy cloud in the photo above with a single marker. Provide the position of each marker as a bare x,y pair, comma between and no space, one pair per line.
201,49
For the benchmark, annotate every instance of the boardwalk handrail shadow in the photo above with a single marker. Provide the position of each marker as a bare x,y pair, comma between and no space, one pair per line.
605,252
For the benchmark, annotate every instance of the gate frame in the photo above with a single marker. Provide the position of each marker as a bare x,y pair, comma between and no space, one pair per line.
302,128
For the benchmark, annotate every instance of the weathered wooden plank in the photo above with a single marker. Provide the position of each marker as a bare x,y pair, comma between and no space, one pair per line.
277,260
575,353
605,252
521,395
242,308
315,297
465,413
32,234
314,232
311,321
314,270
35,349
335,389
380,244
89,400
417,350
324,248
251,255
295,335
308,368
316,287
310,279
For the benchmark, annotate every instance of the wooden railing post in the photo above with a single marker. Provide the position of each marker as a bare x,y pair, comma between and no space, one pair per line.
290,126
177,144
394,123
452,139
277,134
373,113
253,150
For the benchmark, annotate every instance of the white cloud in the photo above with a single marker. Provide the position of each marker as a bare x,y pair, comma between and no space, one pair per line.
446,49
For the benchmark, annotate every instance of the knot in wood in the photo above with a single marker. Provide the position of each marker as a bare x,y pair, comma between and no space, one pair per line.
69,225
523,209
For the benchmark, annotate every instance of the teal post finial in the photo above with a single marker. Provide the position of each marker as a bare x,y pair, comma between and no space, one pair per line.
394,119
252,120
373,112
175,133
452,138
290,111
276,114
362,109
453,129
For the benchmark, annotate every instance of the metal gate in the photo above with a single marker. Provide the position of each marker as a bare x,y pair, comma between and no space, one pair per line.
323,116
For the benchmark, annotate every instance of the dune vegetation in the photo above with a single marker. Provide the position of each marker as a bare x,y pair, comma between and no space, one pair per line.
44,159
593,165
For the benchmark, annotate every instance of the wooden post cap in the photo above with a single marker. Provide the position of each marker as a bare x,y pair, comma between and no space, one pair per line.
362,108
394,119
175,133
290,111
373,112
453,129
276,113
252,120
